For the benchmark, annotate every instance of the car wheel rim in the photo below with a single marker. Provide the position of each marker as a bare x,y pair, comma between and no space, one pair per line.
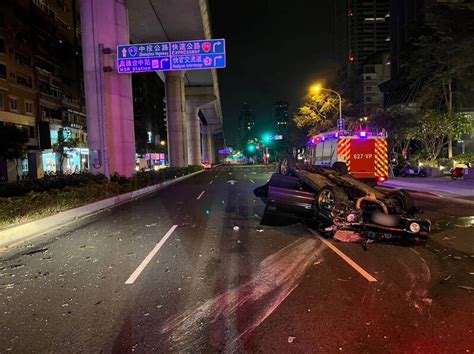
326,200
398,203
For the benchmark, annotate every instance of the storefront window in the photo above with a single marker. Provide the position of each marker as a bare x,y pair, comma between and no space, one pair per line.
49,162
24,168
77,160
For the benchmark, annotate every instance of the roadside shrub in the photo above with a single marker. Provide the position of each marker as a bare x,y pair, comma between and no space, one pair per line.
460,159
49,182
29,200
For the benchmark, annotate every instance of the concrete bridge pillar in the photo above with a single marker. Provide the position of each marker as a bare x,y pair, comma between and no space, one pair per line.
205,154
213,149
197,98
193,132
110,129
175,114
209,145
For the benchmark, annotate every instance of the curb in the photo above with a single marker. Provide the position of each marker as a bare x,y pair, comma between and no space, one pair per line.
31,229
432,196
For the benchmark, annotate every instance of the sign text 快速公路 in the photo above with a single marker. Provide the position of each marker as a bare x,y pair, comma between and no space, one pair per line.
166,56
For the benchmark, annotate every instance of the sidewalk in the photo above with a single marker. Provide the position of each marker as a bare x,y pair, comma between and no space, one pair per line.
442,187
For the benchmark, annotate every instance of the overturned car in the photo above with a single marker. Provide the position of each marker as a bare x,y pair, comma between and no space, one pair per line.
332,201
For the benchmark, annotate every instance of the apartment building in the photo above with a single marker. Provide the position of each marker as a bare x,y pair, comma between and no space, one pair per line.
41,82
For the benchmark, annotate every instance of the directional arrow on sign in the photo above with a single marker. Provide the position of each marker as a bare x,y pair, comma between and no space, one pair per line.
232,182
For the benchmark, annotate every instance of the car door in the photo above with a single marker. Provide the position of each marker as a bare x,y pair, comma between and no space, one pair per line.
287,195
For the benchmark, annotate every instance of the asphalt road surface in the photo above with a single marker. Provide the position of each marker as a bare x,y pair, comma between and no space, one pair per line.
191,269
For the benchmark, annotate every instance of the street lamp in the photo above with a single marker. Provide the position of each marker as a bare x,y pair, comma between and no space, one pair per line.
317,89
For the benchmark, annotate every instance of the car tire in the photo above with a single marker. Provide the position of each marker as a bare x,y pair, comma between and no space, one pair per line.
422,174
340,168
329,199
287,166
403,174
454,177
403,199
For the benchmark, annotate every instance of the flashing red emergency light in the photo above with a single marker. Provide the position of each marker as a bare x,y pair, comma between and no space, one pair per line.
381,179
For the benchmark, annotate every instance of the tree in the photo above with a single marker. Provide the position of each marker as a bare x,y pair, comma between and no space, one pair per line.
13,144
398,123
435,127
318,113
62,147
442,55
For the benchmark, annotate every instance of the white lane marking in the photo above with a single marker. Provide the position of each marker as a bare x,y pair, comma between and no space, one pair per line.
148,258
348,260
252,181
200,195
211,182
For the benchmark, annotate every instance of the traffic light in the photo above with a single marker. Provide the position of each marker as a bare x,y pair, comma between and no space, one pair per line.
267,138
251,147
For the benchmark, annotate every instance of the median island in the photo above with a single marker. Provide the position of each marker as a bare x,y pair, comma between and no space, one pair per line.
29,200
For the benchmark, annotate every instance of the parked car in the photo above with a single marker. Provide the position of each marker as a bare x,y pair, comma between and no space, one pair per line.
333,201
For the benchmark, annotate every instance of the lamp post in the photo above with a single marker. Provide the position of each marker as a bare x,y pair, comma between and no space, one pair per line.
318,88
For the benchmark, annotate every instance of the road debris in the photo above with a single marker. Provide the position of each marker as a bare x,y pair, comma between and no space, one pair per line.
259,230
41,250
151,225
291,339
468,288
427,300
236,228
348,236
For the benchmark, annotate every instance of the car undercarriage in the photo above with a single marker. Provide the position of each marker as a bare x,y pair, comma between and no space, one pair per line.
335,203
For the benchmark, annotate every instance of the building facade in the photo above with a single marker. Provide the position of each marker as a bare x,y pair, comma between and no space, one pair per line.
375,71
281,117
41,83
149,117
405,16
363,36
246,124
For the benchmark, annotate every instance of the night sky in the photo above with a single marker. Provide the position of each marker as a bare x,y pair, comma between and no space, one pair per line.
275,50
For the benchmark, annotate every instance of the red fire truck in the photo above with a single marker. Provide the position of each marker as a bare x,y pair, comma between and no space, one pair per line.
364,152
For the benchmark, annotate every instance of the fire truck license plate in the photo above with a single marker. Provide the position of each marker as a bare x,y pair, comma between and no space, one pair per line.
362,156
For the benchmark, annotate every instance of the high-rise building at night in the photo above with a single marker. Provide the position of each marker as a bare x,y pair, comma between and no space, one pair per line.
280,116
369,30
405,16
246,124
149,112
363,35
341,32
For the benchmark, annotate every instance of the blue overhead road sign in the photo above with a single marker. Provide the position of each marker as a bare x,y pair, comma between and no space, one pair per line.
186,55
